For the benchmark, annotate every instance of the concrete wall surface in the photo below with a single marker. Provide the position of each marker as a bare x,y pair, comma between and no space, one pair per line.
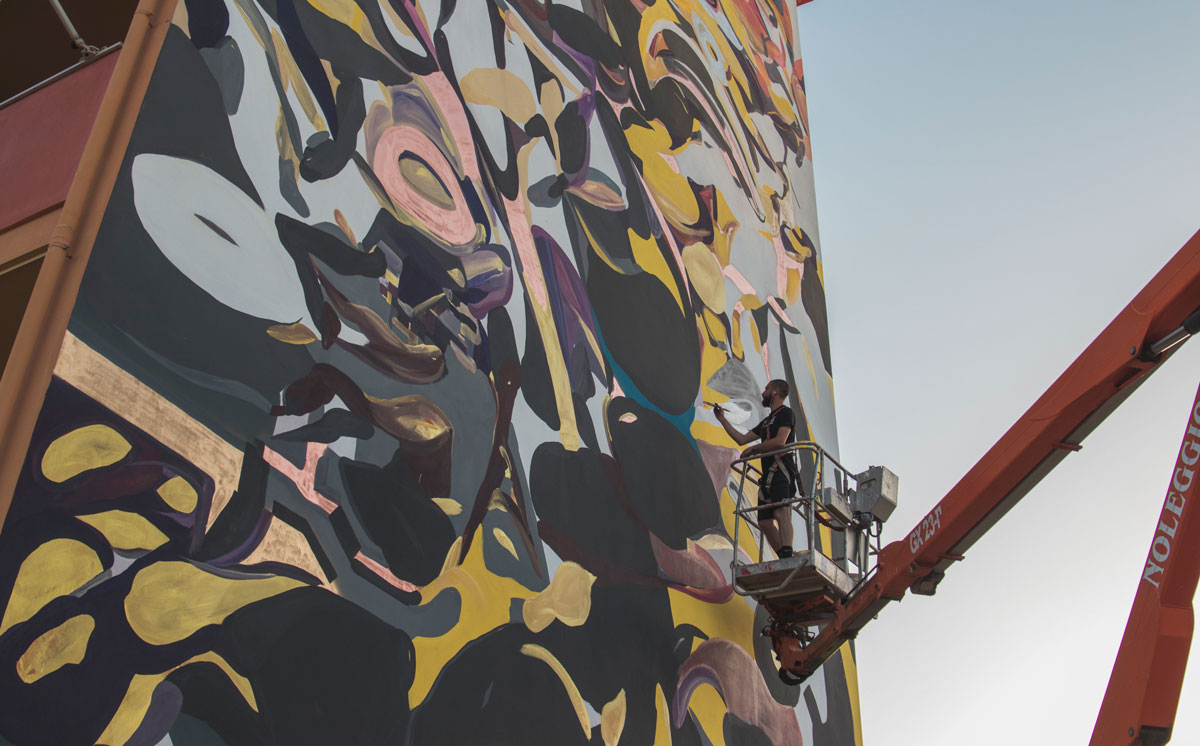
379,418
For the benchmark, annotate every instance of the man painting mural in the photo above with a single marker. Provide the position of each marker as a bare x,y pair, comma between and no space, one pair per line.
779,471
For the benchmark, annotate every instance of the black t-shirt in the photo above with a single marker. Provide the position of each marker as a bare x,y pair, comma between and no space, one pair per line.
767,429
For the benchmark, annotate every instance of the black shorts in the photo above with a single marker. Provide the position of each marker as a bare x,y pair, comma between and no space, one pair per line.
778,489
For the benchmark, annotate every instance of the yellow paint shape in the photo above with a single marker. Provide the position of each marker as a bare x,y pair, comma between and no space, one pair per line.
132,709
732,620
125,531
170,601
662,719
612,720
65,644
708,707
136,702
714,542
179,494
448,506
486,604
56,568
705,274
502,89
503,540
545,656
648,256
568,599
89,447
293,334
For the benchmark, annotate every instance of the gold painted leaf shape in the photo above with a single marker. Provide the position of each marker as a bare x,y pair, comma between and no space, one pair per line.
63,645
89,447
170,601
503,540
414,419
612,720
179,494
125,530
56,568
448,505
705,273
568,599
293,334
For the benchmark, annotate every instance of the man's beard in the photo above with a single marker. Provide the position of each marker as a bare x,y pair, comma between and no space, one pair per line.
766,400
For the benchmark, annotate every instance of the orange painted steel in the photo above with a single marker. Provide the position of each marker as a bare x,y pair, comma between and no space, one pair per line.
1143,692
35,350
1111,367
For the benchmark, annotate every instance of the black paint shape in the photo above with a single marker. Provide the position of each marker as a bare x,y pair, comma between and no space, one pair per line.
584,35
334,424
301,238
208,22
324,671
327,158
664,474
536,385
572,491
411,530
241,514
738,732
646,335
572,138
224,61
812,295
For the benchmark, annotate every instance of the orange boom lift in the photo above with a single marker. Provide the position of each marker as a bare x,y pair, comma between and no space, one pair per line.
817,606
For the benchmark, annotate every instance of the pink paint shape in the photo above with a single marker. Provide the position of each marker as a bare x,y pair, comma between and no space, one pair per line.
455,225
304,479
387,575
456,117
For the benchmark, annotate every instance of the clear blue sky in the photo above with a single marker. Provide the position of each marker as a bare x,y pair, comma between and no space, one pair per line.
995,181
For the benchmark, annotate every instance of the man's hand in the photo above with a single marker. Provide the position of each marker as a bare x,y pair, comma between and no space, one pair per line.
748,452
719,413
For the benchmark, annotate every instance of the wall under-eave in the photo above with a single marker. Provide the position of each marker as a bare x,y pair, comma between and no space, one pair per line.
378,418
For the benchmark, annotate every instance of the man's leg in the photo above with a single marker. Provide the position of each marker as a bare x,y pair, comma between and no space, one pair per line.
783,518
771,531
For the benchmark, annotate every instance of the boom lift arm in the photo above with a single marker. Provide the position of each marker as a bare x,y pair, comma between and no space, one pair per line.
1133,346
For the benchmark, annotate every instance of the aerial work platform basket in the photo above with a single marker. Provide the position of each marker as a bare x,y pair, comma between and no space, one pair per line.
842,513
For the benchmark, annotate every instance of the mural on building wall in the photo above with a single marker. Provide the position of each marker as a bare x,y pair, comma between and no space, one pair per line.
380,418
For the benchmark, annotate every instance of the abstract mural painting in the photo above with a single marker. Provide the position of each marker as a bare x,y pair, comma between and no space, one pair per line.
380,415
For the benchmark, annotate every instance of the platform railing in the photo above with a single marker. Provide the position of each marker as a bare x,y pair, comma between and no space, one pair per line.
825,471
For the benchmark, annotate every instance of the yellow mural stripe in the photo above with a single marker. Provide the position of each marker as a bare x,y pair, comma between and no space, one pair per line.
545,656
850,666
56,568
662,720
65,644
